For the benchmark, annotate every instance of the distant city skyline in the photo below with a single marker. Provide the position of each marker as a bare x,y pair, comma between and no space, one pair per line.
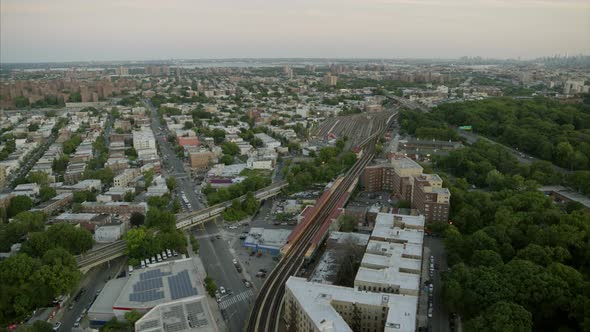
109,30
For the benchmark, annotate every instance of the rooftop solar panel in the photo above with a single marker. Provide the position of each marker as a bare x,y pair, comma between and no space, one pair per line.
180,286
147,296
151,274
150,324
148,284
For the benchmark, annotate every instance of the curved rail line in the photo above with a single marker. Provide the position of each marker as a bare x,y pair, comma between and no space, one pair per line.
265,312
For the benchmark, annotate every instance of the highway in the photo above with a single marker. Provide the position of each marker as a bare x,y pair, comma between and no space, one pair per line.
408,104
265,314
522,158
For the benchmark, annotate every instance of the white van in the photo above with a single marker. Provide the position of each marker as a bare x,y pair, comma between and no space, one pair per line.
130,269
142,263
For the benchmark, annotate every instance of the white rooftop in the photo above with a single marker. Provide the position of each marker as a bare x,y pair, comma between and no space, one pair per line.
192,314
267,237
386,231
317,301
161,283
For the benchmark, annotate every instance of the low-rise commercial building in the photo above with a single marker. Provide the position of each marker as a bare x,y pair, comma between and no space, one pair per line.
146,288
266,240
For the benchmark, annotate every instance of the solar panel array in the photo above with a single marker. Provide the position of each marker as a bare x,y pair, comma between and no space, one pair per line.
147,296
196,314
180,286
148,288
151,274
150,324
144,285
174,320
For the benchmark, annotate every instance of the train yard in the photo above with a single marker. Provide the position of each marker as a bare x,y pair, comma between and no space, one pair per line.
355,127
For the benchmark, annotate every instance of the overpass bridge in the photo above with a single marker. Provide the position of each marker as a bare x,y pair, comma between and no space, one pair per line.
409,104
198,217
116,249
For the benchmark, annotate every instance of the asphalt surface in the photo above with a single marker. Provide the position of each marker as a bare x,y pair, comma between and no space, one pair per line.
92,282
215,254
31,161
522,157
440,316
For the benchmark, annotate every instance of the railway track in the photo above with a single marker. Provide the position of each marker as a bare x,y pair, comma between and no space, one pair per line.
265,313
102,253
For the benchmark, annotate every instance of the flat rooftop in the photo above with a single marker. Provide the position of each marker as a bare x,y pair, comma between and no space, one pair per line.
109,294
394,249
405,162
388,276
385,229
317,301
263,237
192,314
164,282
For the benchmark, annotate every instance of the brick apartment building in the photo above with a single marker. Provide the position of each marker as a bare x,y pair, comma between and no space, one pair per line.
404,179
430,198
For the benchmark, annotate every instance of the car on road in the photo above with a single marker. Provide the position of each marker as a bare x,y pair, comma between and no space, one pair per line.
243,236
263,271
221,290
261,274
235,261
218,236
77,322
57,326
247,283
233,227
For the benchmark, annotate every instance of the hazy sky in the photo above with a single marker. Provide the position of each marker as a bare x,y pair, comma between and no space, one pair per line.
70,30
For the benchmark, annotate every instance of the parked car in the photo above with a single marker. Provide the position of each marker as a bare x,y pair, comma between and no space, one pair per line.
221,290
57,326
247,283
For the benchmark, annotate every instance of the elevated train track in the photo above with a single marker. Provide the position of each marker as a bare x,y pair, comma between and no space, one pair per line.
265,314
117,249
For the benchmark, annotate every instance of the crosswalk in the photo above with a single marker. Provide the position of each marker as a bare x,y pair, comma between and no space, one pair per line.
243,296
